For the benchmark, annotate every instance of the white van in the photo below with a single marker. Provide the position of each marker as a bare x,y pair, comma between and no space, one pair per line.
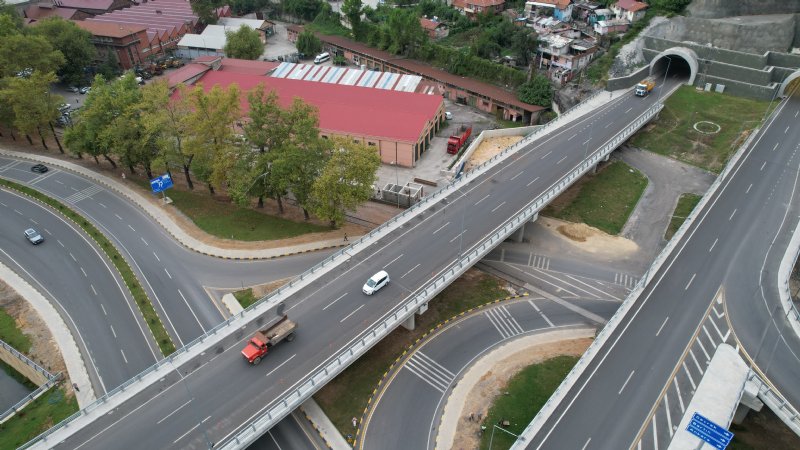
322,57
376,282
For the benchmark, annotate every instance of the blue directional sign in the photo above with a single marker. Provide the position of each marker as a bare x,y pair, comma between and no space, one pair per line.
709,431
161,183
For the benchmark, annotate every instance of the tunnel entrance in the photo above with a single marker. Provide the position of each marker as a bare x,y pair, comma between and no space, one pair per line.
678,63
791,85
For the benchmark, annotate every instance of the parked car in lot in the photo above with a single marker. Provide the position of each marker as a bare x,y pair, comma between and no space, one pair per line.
448,115
64,107
33,236
85,89
39,168
74,89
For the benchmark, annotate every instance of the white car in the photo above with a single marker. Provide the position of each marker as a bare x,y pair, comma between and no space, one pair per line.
448,115
376,282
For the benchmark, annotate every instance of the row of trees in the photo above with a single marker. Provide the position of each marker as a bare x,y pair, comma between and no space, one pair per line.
271,152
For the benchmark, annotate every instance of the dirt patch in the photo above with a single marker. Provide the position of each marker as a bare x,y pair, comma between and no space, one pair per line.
44,350
763,430
264,289
493,383
490,147
577,231
588,238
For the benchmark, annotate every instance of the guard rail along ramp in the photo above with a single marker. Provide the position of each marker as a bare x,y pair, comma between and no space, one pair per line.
572,377
336,363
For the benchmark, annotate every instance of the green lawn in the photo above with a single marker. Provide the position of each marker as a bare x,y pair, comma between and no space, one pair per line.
526,393
673,134
603,200
12,335
347,395
229,221
38,416
246,297
685,206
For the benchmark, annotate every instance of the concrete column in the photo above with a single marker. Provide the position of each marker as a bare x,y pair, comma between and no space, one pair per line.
519,235
408,324
748,401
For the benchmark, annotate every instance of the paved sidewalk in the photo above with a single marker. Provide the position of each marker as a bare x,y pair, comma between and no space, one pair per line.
153,209
324,426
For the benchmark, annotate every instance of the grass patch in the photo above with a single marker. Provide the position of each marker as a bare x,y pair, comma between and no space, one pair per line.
673,133
145,306
12,335
41,414
346,396
526,393
686,204
246,297
603,200
229,221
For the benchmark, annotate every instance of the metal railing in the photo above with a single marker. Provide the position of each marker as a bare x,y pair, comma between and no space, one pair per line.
153,373
9,413
776,402
39,369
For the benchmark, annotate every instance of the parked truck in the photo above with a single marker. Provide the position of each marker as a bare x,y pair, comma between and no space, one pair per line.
458,140
645,87
263,340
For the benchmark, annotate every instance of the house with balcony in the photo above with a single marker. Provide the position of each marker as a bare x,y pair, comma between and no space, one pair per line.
473,8
630,10
558,9
611,26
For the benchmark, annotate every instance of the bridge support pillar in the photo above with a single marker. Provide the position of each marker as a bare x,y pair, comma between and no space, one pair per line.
409,323
748,401
519,235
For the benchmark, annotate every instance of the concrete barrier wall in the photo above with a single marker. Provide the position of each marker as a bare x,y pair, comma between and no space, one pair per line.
738,73
741,89
784,59
23,365
500,132
751,60
628,81
713,9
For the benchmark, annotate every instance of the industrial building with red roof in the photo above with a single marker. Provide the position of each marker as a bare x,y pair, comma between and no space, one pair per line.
398,124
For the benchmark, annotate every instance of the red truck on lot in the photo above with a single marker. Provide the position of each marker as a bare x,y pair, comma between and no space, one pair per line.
458,140
263,340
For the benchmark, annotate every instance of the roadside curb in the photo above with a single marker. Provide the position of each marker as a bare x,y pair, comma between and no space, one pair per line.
310,410
396,365
166,222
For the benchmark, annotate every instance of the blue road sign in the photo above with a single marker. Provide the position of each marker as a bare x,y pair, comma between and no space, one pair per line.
161,183
709,431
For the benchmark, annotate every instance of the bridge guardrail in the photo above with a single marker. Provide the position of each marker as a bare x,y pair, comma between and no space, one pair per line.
775,401
28,362
149,375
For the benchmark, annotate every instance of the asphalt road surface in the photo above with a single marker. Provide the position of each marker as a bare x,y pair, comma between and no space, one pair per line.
224,393
723,251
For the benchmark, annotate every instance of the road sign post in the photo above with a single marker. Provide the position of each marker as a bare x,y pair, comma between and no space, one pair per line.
161,184
710,432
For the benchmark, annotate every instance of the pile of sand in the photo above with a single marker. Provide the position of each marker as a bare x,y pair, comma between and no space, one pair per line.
490,147
578,231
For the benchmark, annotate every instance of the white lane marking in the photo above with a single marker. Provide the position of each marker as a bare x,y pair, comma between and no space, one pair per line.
165,270
145,242
541,313
157,258
498,206
689,375
73,257
112,331
331,303
748,188
1,203
776,146
570,138
703,348
173,412
586,141
762,166
712,245
561,160
586,444
48,231
348,316
546,154
678,390
716,328
669,417
628,110
484,198
17,211
390,262
608,124
694,359
457,236
409,271
104,309
440,228
626,382
708,334
786,130
515,176
132,229
118,217
84,273
190,309
732,214
205,420
37,223
662,326
123,356
532,181
59,182
655,434
186,434
60,243
690,282
281,364
104,206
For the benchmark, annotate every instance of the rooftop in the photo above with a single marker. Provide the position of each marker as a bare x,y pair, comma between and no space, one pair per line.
399,116
481,3
631,5
186,73
108,29
428,24
44,10
560,4
86,4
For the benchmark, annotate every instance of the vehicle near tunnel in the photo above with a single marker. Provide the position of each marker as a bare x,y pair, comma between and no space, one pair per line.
263,340
645,87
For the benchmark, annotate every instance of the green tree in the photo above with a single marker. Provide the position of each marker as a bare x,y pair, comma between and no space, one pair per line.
32,103
205,10
244,43
164,125
109,68
346,180
14,19
303,9
403,34
89,133
72,41
124,129
19,52
524,46
537,91
9,25
352,11
308,43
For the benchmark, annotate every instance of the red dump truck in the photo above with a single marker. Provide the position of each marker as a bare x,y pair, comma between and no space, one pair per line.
458,140
263,340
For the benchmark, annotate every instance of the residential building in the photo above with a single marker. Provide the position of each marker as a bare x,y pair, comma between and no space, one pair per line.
398,125
127,41
558,9
563,56
211,42
601,14
583,10
434,28
630,10
611,26
472,8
